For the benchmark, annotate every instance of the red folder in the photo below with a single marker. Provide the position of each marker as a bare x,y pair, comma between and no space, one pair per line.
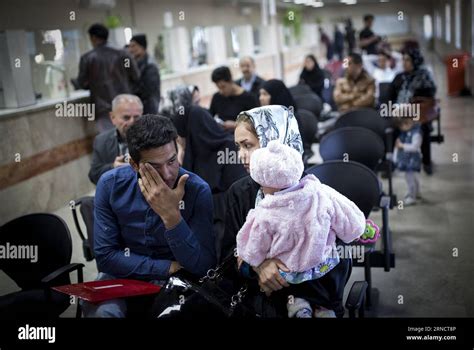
98,291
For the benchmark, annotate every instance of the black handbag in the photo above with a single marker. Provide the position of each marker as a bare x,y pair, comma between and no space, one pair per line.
221,293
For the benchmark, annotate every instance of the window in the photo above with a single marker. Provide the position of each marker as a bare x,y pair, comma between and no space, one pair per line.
438,25
198,47
457,23
447,23
427,27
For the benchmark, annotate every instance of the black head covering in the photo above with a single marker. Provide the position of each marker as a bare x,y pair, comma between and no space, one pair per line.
416,57
280,95
204,141
314,78
140,39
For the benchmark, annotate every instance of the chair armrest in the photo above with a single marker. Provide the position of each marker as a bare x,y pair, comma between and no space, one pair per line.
355,299
49,279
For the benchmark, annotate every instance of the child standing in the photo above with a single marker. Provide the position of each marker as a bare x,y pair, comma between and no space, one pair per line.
408,157
297,222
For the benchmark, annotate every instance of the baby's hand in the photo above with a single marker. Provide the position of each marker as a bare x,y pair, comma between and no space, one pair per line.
371,233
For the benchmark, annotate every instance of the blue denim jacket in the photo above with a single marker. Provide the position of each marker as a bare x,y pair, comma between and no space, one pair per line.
130,239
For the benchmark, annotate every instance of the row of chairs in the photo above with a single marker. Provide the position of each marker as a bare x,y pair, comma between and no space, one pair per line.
357,148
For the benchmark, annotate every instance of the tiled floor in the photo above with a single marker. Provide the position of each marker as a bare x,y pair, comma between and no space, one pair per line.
428,280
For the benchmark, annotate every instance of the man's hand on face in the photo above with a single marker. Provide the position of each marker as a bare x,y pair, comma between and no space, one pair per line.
162,199
119,161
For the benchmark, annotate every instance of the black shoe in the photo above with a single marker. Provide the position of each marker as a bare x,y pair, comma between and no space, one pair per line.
428,168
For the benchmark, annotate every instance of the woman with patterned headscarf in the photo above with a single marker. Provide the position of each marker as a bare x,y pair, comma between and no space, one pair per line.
255,129
415,83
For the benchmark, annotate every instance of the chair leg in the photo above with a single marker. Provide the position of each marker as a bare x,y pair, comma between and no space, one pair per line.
362,311
368,278
78,309
80,279
390,184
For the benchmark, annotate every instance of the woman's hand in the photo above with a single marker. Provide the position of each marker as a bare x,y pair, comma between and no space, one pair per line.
174,267
229,125
398,144
269,278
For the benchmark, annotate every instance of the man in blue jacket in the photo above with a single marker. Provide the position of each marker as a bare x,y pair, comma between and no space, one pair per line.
152,218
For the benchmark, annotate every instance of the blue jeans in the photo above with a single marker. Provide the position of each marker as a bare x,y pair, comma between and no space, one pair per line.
116,308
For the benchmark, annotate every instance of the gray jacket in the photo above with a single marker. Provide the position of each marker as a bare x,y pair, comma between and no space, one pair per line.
106,149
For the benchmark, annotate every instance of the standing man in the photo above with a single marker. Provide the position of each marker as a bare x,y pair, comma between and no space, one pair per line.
350,36
110,147
367,39
149,85
250,81
338,42
106,72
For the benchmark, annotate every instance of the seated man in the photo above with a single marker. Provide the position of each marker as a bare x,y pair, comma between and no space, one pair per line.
250,81
230,100
357,88
151,218
110,147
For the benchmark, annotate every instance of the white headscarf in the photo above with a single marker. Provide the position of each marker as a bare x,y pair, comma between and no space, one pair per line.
275,123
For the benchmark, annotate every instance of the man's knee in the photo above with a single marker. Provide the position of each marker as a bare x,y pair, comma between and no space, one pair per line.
116,308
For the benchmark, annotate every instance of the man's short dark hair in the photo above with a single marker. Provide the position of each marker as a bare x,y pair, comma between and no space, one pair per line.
149,131
99,30
356,58
368,18
221,73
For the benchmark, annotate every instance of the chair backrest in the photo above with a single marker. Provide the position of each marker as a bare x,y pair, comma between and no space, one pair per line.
353,143
311,102
300,89
308,125
364,117
47,235
352,179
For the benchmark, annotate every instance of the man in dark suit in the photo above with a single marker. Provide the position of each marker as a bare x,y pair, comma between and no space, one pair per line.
110,148
250,81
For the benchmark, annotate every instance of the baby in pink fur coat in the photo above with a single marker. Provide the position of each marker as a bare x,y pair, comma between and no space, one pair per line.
297,221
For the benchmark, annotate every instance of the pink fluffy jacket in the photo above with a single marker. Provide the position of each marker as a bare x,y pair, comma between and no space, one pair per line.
299,226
